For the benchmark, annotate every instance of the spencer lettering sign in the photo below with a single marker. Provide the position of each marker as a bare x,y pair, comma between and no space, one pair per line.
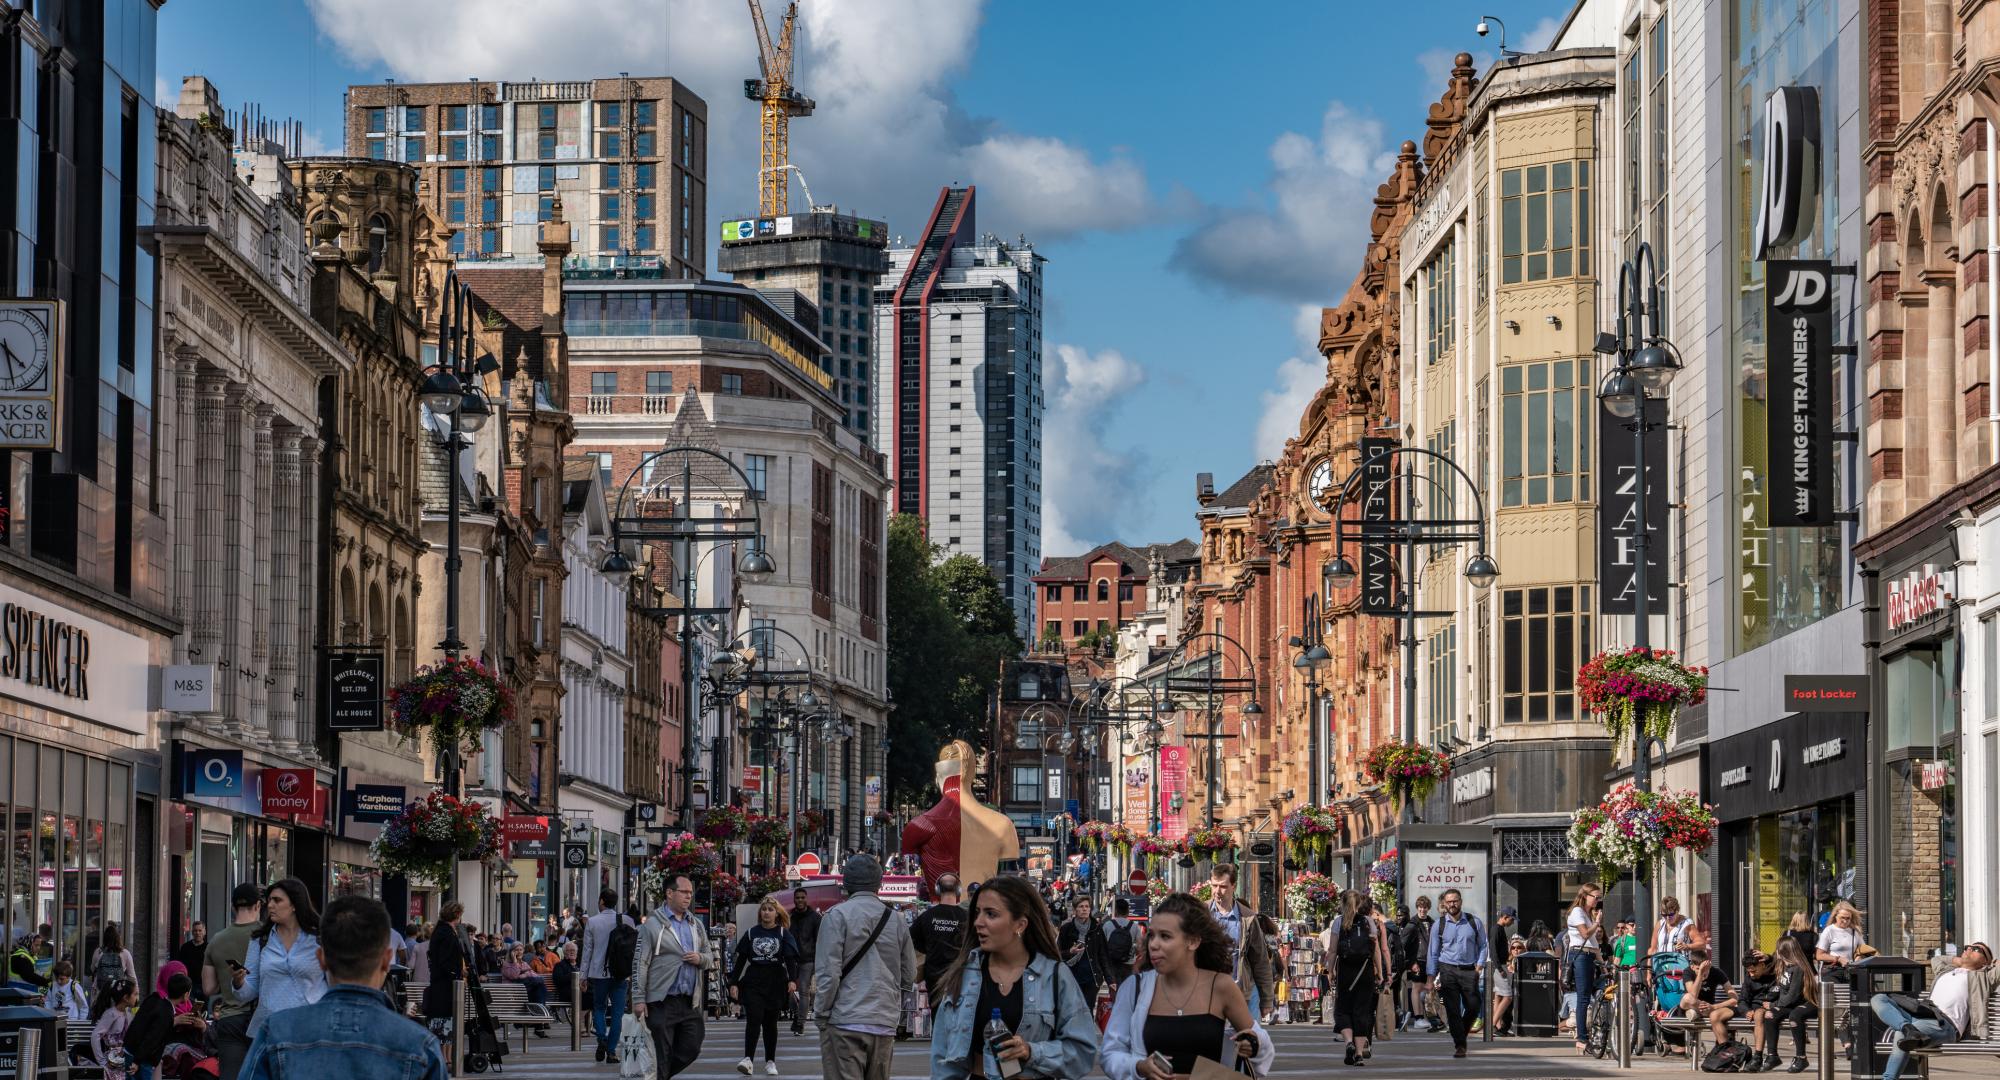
1915,597
45,653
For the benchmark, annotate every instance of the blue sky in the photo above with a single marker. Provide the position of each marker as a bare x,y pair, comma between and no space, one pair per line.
1197,174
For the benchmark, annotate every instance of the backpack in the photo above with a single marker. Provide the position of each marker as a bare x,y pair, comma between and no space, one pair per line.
1729,1057
1119,946
109,966
1356,943
620,947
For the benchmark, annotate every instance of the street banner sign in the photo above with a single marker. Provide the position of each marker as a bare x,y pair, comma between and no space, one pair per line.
1617,511
1798,417
1378,505
353,681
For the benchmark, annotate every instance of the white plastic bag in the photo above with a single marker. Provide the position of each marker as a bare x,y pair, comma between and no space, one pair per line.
635,1050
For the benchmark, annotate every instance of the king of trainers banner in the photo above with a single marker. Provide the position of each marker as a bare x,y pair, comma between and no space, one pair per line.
1798,321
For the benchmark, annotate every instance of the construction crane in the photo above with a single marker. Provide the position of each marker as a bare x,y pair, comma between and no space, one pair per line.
781,102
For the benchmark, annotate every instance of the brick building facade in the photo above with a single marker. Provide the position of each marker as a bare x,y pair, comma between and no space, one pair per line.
1095,594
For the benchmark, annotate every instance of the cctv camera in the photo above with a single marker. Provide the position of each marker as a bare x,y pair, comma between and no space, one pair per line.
1481,29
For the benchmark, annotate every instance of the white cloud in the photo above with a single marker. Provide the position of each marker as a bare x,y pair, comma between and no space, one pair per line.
1539,35
1298,380
1302,239
887,132
1437,63
1087,485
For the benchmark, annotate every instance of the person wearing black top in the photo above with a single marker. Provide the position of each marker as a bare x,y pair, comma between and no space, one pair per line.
1081,942
763,978
805,931
1711,995
448,967
193,952
939,935
1793,997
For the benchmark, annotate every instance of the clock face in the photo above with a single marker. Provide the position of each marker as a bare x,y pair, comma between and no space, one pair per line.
24,349
1319,485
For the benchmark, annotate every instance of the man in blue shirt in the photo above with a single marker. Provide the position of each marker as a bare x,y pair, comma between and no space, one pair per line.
353,1030
1457,955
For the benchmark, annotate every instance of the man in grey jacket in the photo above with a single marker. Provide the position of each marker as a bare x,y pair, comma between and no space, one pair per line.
864,961
667,978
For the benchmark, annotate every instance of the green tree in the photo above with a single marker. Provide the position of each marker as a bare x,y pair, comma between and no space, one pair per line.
949,630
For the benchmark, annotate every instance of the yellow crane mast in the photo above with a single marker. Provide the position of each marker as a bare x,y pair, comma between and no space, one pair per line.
781,102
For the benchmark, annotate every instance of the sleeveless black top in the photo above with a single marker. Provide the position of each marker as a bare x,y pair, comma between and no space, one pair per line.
1182,1039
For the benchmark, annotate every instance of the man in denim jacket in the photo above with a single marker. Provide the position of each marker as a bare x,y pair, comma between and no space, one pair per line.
353,1031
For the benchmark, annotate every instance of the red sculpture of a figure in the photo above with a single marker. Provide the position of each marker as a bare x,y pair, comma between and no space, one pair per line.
959,835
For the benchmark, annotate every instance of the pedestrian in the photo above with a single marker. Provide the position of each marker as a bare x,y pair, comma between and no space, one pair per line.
110,1018
1249,962
229,1030
1361,959
1670,934
1801,930
1962,988
420,951
1082,946
805,931
1711,995
1121,944
448,970
1456,957
1794,997
1183,1003
865,959
1415,943
192,952
562,980
166,1018
21,962
764,977
672,957
282,970
353,1030
939,936
112,960
1015,971
1585,927
66,997
515,969
1505,971
1841,939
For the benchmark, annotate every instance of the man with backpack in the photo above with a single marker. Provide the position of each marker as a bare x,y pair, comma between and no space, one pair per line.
609,942
1121,943
1456,956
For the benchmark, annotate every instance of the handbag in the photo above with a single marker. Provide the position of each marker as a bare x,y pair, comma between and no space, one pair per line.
1385,1017
635,1050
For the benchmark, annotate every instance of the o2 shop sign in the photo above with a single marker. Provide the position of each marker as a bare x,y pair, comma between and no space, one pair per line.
1916,596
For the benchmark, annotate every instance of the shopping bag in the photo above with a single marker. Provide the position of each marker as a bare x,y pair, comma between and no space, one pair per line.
1385,1017
635,1050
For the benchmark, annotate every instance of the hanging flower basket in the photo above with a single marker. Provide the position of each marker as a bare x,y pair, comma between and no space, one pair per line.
1408,772
1203,892
759,886
1157,889
682,853
768,835
1093,835
1154,850
1209,843
1311,895
452,704
430,837
1632,686
725,891
1309,833
812,822
1631,828
1384,875
1122,838
723,825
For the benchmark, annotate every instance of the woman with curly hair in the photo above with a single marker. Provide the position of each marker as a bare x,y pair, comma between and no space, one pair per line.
1182,1005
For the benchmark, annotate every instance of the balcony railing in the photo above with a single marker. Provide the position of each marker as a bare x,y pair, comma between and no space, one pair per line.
649,404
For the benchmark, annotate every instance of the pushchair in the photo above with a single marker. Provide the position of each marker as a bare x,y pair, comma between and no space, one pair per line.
1669,971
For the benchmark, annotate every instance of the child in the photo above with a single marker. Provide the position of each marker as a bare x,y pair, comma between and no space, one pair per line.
66,997
110,1015
1625,944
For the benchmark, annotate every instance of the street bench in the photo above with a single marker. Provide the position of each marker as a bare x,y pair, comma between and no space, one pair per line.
1836,1006
508,1002
77,1043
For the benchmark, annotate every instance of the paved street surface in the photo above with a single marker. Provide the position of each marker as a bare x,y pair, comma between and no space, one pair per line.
1303,1051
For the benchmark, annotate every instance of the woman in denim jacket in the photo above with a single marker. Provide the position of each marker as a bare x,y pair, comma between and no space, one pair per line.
1014,969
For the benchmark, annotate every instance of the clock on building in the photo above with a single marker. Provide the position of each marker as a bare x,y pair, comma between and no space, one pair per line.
26,346
1320,486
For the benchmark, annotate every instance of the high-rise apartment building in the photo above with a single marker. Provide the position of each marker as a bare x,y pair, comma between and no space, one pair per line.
628,158
958,372
833,260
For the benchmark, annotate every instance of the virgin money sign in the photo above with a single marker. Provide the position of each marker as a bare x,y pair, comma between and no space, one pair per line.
1430,871
293,794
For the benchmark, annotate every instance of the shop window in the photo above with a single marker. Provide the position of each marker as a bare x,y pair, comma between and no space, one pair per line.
1919,709
1440,302
1025,784
1545,423
1544,636
1545,222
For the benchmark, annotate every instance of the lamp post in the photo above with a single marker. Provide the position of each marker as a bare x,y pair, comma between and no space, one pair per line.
675,521
1407,533
1215,686
735,669
451,390
1309,659
1646,364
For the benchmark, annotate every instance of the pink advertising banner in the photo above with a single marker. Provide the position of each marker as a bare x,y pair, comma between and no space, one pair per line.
1173,788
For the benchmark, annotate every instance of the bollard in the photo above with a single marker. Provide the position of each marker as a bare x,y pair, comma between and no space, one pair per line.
1827,1022
1621,1018
458,1028
28,1053
576,1013
1486,1029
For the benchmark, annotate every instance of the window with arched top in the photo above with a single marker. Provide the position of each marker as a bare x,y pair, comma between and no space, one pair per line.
378,243
1103,589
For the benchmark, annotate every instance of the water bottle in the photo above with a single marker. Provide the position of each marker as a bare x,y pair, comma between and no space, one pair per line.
997,1032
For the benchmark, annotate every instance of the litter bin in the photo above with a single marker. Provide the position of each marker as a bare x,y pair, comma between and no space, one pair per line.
18,1011
1877,975
1537,994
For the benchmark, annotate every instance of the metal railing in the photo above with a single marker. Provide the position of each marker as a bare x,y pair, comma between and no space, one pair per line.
649,404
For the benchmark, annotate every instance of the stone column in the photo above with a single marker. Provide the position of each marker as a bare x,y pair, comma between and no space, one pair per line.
257,683
209,571
238,573
307,685
286,604
184,498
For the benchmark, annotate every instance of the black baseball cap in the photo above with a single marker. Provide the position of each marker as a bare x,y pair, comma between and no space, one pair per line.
246,895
